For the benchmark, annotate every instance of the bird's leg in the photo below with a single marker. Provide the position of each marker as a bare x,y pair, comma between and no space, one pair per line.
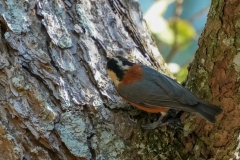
172,119
155,124
176,123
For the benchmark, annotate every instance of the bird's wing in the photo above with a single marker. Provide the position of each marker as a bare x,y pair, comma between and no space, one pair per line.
171,87
151,96
145,95
156,89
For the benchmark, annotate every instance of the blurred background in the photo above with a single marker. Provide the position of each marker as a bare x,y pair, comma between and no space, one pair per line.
176,26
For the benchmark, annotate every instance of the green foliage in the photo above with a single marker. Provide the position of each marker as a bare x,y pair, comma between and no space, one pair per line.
178,30
182,74
184,31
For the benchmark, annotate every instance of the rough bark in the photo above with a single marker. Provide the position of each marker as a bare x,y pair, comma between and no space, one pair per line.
214,76
57,102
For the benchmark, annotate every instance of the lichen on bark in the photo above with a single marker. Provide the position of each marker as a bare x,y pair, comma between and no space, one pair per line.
218,49
57,102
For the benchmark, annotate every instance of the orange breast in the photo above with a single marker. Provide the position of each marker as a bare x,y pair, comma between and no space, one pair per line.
133,74
150,110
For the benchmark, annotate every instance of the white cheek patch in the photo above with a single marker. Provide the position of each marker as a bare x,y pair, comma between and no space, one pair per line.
125,67
120,64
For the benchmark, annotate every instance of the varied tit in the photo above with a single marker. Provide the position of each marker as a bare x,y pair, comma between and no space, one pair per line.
151,91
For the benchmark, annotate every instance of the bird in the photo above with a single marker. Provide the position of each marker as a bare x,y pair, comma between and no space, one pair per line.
154,92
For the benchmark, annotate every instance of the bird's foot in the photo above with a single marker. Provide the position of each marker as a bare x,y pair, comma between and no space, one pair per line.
154,124
175,123
150,126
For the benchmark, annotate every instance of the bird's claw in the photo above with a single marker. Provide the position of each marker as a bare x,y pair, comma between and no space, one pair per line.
176,123
151,125
154,124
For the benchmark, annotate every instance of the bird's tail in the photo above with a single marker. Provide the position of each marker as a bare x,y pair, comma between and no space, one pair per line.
208,111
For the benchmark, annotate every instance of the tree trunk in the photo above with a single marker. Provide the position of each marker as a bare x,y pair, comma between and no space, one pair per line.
214,76
57,102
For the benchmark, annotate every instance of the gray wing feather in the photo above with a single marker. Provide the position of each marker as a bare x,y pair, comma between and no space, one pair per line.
137,93
171,87
156,89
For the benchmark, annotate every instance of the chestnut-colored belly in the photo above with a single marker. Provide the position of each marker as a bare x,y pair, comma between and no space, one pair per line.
150,110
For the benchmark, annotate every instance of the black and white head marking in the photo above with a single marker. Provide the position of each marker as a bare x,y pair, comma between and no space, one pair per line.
118,65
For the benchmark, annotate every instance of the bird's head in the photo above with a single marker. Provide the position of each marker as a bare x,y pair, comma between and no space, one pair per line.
116,67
